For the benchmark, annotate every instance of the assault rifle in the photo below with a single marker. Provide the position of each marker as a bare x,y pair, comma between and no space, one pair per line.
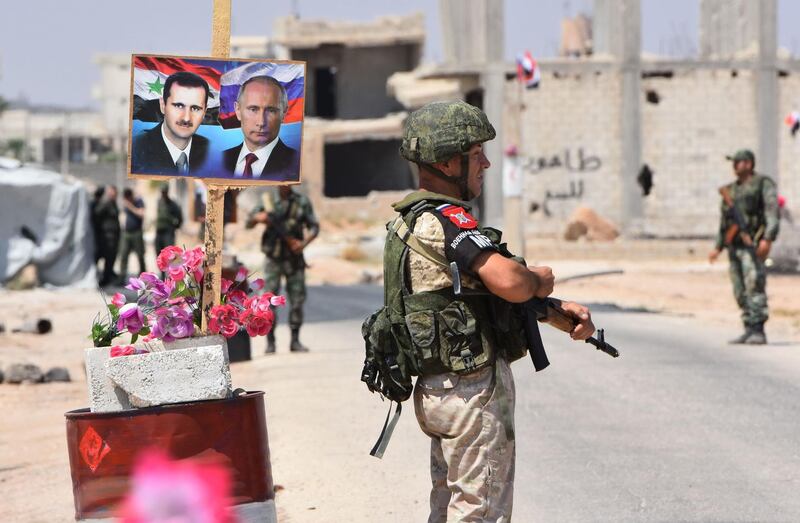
545,310
275,223
739,225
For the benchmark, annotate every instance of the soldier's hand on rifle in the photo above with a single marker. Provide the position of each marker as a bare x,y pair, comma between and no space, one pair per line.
584,327
295,245
762,251
545,279
713,255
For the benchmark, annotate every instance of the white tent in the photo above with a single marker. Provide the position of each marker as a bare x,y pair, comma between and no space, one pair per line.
55,209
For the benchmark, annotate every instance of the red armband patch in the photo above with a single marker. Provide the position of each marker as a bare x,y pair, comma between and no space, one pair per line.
461,218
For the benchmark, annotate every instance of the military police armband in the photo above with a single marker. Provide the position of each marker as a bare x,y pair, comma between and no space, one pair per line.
464,241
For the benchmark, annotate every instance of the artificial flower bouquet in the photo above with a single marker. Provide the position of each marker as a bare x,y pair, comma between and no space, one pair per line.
169,309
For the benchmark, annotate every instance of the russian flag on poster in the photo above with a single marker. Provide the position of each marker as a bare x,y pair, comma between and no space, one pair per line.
291,76
151,72
528,70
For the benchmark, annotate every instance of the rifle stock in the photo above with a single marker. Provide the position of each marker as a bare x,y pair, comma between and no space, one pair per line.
739,226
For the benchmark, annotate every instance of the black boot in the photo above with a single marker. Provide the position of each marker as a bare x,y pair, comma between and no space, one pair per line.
270,343
748,332
296,346
757,336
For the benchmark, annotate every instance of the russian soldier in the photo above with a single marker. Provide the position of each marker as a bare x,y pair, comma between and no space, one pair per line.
464,393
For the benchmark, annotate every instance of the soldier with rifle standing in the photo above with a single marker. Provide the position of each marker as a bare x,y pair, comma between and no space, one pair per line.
290,225
454,315
748,226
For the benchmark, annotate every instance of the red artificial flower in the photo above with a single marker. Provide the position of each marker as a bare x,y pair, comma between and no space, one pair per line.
257,323
223,320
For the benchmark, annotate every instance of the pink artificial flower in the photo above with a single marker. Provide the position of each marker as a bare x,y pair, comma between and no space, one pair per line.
257,323
126,350
258,303
277,300
241,274
198,275
223,320
257,284
237,298
172,323
118,300
131,318
122,350
170,260
193,258
164,490
225,285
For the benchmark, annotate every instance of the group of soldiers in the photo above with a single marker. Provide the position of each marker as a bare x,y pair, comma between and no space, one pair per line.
290,225
112,238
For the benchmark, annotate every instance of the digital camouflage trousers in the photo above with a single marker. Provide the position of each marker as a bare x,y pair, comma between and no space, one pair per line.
295,278
749,277
472,459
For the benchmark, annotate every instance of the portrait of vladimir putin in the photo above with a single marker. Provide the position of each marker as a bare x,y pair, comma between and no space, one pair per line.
172,147
261,106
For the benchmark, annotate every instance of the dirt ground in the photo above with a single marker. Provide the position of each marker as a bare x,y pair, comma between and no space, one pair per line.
34,469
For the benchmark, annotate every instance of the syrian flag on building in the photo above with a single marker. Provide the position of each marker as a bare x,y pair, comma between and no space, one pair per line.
291,76
528,70
793,121
150,73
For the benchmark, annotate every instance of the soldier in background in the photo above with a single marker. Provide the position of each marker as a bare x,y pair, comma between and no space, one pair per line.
756,198
133,234
168,220
105,214
290,227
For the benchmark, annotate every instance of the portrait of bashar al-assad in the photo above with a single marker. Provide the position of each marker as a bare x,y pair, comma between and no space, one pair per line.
172,147
261,105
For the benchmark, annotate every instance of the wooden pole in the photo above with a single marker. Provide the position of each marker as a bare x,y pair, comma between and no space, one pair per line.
212,270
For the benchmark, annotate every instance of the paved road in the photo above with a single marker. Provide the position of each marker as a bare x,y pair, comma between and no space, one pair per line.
681,427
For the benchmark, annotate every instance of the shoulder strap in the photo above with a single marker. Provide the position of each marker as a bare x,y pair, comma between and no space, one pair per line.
400,228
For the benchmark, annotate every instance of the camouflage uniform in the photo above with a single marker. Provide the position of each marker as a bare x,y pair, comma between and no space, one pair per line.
757,200
294,214
472,459
106,216
469,417
168,220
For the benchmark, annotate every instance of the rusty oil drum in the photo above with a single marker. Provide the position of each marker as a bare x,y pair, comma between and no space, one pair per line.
103,447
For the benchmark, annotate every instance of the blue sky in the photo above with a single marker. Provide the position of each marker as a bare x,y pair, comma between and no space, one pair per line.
46,46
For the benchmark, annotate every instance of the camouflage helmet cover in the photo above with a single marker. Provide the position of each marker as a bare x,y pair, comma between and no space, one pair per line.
441,130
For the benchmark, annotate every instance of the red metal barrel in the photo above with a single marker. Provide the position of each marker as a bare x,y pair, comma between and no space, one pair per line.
103,447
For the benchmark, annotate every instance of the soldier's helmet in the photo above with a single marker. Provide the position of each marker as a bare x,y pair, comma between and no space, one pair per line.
441,130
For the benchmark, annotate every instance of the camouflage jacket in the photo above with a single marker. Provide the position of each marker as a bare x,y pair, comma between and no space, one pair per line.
169,217
757,201
293,215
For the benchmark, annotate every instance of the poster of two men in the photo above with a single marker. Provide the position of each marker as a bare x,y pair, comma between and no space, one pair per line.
234,120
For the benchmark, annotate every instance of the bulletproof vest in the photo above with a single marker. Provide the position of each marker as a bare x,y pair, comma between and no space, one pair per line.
749,199
430,332
289,214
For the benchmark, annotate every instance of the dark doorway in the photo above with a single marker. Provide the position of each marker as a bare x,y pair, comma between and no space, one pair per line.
325,92
356,168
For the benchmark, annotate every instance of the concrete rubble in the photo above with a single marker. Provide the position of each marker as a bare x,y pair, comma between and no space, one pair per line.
190,369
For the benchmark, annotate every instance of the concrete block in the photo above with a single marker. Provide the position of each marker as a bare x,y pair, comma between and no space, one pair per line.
105,396
172,376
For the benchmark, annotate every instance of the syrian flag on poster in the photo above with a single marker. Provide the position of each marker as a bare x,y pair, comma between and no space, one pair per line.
291,76
150,73
528,72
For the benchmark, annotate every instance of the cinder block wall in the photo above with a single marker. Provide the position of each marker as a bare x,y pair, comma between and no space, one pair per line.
702,115
569,116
